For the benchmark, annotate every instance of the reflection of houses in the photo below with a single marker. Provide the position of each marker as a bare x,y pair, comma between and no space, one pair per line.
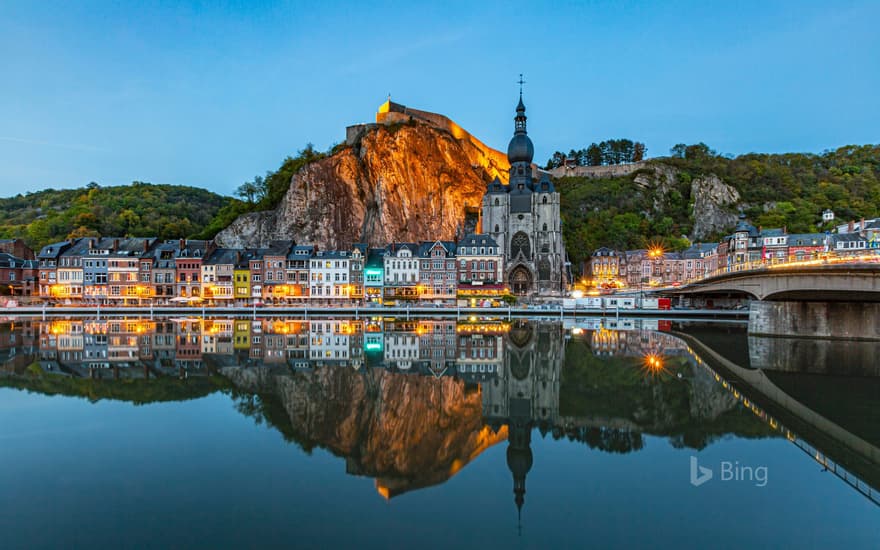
437,346
479,355
217,336
330,341
401,349
188,352
633,343
18,345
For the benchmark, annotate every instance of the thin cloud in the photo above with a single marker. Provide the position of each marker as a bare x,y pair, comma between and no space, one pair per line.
69,146
368,61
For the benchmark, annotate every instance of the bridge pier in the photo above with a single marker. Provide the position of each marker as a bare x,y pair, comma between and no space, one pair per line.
831,320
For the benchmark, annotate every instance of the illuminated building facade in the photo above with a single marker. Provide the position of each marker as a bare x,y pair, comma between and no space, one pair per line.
523,218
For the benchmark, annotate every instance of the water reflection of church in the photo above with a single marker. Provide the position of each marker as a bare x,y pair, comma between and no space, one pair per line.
525,393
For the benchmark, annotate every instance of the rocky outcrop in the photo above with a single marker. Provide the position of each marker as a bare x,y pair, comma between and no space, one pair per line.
398,182
713,201
407,431
660,181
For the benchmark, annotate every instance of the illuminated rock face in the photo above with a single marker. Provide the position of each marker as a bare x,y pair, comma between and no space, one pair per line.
407,431
400,182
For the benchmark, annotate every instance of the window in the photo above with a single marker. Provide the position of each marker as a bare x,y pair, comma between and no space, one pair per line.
520,245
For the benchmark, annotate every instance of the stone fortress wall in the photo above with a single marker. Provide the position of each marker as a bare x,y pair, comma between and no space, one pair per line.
613,171
394,113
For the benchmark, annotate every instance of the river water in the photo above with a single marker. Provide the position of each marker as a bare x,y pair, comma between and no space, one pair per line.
434,433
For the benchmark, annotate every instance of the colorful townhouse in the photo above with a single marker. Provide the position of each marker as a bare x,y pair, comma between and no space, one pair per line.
356,271
329,272
374,275
275,288
438,271
17,276
218,275
188,260
297,272
48,269
401,272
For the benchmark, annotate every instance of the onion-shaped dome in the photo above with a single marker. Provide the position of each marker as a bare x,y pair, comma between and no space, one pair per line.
520,149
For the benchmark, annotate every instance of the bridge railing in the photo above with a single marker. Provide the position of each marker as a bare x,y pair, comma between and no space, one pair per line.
826,258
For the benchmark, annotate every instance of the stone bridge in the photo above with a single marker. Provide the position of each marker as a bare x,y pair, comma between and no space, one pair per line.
856,282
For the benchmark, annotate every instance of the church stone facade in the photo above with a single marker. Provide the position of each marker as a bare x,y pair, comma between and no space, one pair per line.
523,217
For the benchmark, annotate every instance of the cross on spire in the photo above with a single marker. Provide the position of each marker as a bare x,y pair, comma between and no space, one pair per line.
520,82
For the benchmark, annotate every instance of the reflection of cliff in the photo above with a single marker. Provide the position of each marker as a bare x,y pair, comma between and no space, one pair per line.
609,402
406,431
138,391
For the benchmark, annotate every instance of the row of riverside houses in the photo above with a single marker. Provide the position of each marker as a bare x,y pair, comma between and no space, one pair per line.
744,248
137,271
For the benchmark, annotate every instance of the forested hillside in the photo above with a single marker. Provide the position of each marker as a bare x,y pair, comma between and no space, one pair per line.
137,210
776,190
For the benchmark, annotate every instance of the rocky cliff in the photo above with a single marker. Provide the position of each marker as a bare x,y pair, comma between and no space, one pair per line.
406,431
405,181
713,201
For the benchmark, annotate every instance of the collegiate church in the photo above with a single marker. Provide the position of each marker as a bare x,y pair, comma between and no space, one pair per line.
523,217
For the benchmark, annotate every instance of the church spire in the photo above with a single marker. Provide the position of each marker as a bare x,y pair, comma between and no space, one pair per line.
520,120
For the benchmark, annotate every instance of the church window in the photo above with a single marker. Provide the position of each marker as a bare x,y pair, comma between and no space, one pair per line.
496,228
545,227
496,201
544,270
520,244
520,172
544,200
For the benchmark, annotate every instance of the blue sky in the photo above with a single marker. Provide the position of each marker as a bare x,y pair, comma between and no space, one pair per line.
210,94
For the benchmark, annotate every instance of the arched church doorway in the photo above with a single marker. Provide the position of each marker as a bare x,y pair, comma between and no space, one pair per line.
520,280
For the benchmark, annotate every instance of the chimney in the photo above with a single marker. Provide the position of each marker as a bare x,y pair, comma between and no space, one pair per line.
91,243
851,227
862,226
182,244
146,245
115,245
